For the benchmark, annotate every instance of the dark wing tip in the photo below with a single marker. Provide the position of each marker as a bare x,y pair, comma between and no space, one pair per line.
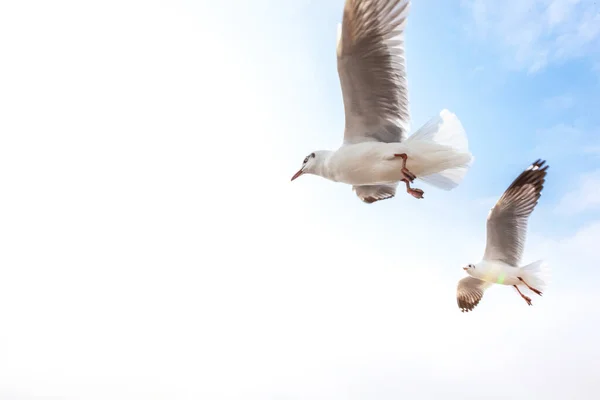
371,193
467,296
534,175
372,199
539,163
524,200
467,303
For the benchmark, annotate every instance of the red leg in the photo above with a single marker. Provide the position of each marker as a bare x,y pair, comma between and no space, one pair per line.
534,290
527,299
409,175
417,193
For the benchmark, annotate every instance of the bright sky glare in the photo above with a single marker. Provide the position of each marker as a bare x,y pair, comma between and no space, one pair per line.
152,246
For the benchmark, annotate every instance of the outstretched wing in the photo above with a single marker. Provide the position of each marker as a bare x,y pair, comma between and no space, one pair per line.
372,193
370,60
507,220
469,293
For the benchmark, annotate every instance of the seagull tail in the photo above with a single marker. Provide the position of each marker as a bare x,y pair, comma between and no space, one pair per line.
442,151
536,275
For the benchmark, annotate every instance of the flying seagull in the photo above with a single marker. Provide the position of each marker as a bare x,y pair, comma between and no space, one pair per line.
506,234
376,153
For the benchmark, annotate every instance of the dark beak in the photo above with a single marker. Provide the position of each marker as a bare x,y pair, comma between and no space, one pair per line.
297,174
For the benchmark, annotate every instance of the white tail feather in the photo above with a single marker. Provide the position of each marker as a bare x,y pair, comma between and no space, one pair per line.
536,274
445,129
448,179
442,148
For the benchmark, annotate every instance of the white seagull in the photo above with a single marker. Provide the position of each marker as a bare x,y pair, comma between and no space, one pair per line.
376,153
506,234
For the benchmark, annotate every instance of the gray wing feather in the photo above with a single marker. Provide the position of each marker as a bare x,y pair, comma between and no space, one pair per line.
469,293
507,220
372,72
372,193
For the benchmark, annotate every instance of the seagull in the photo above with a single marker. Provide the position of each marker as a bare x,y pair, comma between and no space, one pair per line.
506,234
376,153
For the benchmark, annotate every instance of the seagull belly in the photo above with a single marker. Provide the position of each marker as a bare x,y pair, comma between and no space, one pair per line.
366,164
497,272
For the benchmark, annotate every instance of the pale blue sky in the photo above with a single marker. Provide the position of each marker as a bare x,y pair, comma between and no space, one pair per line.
152,246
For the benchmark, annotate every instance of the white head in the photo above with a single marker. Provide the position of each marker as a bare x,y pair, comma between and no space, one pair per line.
312,164
470,269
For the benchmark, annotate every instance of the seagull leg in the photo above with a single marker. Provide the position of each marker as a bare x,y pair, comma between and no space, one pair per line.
527,299
409,175
534,290
417,193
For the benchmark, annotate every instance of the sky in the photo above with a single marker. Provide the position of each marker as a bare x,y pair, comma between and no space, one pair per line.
152,245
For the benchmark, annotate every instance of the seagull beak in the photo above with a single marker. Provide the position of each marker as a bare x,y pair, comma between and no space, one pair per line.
465,268
297,174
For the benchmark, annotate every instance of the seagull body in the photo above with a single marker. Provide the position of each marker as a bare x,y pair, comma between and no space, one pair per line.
506,234
377,163
495,272
376,153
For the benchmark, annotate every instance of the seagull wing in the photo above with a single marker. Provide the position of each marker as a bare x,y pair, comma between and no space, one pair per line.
469,293
372,193
370,61
507,220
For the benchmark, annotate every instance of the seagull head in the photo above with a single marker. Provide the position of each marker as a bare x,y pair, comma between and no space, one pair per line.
469,268
310,164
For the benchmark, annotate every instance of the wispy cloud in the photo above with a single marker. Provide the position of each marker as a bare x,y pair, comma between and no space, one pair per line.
557,103
565,140
596,69
592,149
549,139
536,33
585,197
487,202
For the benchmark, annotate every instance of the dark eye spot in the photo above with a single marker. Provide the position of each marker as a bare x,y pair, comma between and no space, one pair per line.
311,155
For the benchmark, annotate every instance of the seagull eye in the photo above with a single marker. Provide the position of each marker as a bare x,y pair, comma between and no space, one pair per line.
305,160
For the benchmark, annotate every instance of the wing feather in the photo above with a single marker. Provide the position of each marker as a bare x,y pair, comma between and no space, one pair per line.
507,220
372,193
469,293
372,72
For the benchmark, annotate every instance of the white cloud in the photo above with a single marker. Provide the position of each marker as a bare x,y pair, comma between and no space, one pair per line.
557,103
578,250
535,33
487,202
584,197
565,140
595,150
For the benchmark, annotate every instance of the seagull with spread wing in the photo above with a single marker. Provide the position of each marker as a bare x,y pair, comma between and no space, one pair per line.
376,153
506,234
